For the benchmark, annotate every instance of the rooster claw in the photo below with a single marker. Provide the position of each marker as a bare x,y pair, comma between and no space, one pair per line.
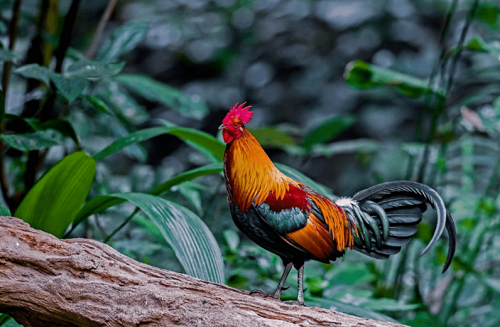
262,293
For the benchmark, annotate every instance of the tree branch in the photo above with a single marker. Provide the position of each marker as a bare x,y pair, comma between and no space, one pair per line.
45,281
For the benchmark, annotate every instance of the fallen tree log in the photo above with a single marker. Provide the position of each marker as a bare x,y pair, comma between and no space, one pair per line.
46,281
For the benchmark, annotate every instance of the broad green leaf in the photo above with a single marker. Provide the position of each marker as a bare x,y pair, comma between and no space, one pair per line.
7,55
189,237
130,139
60,125
99,204
363,76
210,169
34,71
4,318
54,201
93,69
31,141
124,39
327,131
488,13
70,87
203,142
189,106
272,136
4,211
191,136
98,104
290,172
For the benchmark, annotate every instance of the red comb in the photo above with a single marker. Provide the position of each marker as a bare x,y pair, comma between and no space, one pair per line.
238,111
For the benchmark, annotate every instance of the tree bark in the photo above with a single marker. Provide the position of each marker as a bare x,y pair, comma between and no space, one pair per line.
45,281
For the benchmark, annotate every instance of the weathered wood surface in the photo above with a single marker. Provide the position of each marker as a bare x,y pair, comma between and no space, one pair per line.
45,281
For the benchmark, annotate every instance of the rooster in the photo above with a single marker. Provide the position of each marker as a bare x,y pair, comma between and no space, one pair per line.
288,218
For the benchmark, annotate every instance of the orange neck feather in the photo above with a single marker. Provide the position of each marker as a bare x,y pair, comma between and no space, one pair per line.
250,174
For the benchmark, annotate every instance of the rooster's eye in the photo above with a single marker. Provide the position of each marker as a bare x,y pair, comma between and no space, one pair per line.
235,125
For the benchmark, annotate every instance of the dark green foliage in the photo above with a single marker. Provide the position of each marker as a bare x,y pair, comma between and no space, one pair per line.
147,106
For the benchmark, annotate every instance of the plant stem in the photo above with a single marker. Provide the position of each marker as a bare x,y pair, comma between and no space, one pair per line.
431,95
441,105
125,222
13,31
100,28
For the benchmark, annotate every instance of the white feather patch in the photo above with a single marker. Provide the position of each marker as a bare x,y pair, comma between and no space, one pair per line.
346,202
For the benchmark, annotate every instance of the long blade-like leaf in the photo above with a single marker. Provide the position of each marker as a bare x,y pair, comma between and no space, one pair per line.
52,204
153,90
290,172
189,237
101,203
198,139
362,75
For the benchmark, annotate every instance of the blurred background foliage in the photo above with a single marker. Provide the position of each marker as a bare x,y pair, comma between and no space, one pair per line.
109,114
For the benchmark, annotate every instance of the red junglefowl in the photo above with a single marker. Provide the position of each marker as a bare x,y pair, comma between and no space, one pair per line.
288,218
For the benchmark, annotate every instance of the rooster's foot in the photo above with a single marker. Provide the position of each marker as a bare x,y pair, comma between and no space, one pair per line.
263,294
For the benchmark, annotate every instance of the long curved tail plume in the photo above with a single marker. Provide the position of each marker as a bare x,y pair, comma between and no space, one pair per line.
386,216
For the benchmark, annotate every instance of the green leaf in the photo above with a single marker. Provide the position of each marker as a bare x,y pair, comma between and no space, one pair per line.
130,139
124,39
191,136
214,168
212,148
189,237
488,13
4,211
272,136
31,141
327,131
62,126
99,204
7,55
363,76
386,304
290,172
93,69
121,102
98,104
232,239
34,71
4,318
54,201
478,44
70,87
189,106
348,146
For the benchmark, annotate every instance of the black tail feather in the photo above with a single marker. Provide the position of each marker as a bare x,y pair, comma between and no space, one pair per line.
388,216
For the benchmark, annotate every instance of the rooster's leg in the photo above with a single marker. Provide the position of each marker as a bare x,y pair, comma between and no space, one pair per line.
277,292
300,291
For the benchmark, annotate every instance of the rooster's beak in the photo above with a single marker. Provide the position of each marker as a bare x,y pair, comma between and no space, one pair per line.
222,126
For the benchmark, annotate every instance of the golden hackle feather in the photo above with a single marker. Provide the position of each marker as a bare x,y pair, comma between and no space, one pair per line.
251,176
